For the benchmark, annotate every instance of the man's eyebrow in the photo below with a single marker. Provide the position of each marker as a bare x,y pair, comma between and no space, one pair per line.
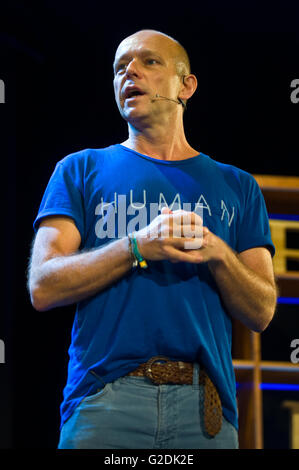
119,59
149,52
142,52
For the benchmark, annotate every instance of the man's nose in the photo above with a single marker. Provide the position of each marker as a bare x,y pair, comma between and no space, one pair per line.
133,68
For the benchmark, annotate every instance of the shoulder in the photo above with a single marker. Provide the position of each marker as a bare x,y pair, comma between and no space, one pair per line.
86,157
238,179
230,170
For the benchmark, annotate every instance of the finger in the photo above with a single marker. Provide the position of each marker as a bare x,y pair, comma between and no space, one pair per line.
181,224
188,231
186,243
176,255
186,218
166,210
181,231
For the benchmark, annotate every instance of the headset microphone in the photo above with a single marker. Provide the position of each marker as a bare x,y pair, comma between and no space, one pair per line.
178,101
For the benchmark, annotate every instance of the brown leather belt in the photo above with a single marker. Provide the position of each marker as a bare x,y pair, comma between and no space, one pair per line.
161,370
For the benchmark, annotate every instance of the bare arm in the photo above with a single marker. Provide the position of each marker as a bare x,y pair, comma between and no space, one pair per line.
245,281
60,275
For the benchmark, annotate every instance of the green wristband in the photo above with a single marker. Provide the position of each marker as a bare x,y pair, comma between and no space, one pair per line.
137,254
133,257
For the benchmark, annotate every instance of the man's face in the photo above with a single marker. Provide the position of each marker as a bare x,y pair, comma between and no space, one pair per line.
144,66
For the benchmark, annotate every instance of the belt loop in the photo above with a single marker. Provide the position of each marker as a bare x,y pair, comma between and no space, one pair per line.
196,374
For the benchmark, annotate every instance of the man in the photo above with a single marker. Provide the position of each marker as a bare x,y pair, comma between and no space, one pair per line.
150,358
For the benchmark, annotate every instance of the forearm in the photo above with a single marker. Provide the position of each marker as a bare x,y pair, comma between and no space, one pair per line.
247,296
64,280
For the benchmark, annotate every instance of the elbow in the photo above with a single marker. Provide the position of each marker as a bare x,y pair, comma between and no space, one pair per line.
39,299
267,312
40,306
264,320
38,303
260,326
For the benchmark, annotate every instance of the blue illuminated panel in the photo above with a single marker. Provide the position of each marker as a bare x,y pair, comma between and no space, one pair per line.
288,300
293,387
276,386
284,216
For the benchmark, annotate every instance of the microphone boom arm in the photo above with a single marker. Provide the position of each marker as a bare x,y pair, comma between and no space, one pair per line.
178,101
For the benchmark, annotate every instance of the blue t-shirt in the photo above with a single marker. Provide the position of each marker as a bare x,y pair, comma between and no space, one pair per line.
169,309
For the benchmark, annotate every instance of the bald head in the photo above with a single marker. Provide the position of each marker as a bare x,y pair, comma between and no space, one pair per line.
159,64
175,49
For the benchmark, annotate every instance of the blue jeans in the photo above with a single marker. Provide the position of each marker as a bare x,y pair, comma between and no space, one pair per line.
133,413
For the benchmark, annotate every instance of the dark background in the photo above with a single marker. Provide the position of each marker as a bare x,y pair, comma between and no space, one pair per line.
56,61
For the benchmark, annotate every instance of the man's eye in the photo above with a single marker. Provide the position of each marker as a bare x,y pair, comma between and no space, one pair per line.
119,68
152,61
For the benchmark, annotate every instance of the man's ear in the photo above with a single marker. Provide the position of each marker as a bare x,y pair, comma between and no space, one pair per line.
189,86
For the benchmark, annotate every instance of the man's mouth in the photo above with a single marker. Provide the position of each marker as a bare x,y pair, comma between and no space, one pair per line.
132,93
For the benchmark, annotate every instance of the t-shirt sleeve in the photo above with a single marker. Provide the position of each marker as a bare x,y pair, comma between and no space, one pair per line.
254,229
64,195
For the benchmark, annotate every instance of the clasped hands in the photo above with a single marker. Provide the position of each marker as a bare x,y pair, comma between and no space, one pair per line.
180,236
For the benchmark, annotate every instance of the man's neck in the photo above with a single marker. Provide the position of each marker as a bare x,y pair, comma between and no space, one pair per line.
160,143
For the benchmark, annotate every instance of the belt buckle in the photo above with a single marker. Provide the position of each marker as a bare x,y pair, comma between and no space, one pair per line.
148,367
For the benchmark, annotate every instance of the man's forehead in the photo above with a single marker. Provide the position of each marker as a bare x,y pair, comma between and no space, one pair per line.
155,42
